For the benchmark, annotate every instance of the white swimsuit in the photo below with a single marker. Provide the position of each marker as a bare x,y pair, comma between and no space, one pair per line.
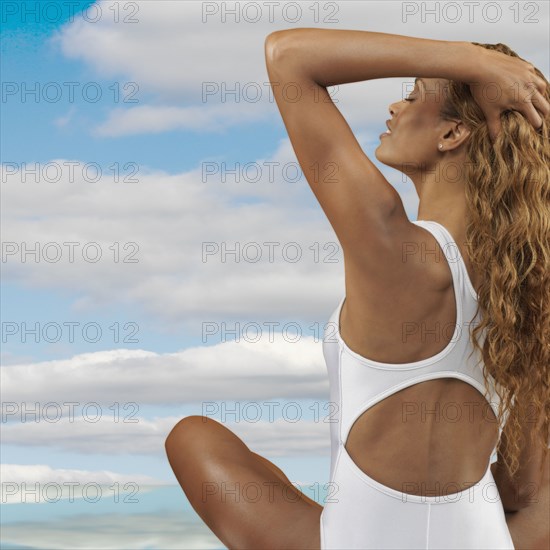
360,512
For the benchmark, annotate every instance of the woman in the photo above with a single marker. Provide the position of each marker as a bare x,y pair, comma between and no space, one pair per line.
417,448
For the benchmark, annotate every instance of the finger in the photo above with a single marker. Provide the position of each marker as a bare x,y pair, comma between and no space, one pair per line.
532,115
494,126
540,84
541,104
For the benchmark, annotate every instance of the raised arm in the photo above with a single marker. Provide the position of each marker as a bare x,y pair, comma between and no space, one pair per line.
330,56
364,209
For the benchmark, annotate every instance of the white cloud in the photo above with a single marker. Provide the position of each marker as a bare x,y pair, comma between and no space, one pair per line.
155,119
95,402
35,483
225,371
164,529
64,120
305,438
169,51
41,473
172,218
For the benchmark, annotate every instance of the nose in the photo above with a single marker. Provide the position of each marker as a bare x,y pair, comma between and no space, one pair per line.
392,109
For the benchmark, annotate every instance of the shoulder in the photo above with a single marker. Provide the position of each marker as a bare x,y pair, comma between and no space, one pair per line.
399,252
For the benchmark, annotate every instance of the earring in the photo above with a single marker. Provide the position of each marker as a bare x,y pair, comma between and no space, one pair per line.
440,146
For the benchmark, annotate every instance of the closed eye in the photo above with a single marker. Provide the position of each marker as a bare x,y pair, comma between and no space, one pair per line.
408,99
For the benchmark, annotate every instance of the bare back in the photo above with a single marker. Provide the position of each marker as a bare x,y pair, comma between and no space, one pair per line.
406,322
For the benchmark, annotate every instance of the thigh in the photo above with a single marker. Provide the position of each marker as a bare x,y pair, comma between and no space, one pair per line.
246,500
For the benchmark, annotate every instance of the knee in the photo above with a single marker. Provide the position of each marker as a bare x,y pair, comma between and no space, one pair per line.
185,431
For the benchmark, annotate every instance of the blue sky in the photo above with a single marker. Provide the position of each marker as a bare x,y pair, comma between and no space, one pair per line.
162,302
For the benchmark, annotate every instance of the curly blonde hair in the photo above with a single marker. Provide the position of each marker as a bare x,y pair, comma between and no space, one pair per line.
507,191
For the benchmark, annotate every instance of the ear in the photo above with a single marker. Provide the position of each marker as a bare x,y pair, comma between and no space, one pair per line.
455,134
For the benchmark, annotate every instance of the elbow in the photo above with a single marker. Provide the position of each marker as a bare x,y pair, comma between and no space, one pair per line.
275,46
529,495
519,499
513,507
510,502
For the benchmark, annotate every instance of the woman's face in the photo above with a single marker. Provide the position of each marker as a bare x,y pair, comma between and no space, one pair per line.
416,128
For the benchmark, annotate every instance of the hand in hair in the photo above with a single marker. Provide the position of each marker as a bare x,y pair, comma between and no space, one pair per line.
507,83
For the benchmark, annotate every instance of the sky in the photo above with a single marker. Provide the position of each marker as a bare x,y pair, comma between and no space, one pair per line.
162,255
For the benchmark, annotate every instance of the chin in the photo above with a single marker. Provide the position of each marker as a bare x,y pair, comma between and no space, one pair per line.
381,157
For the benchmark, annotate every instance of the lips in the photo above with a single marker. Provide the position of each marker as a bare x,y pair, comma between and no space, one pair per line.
388,131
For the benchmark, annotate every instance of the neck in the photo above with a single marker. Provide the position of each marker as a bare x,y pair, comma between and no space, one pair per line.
441,200
449,211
